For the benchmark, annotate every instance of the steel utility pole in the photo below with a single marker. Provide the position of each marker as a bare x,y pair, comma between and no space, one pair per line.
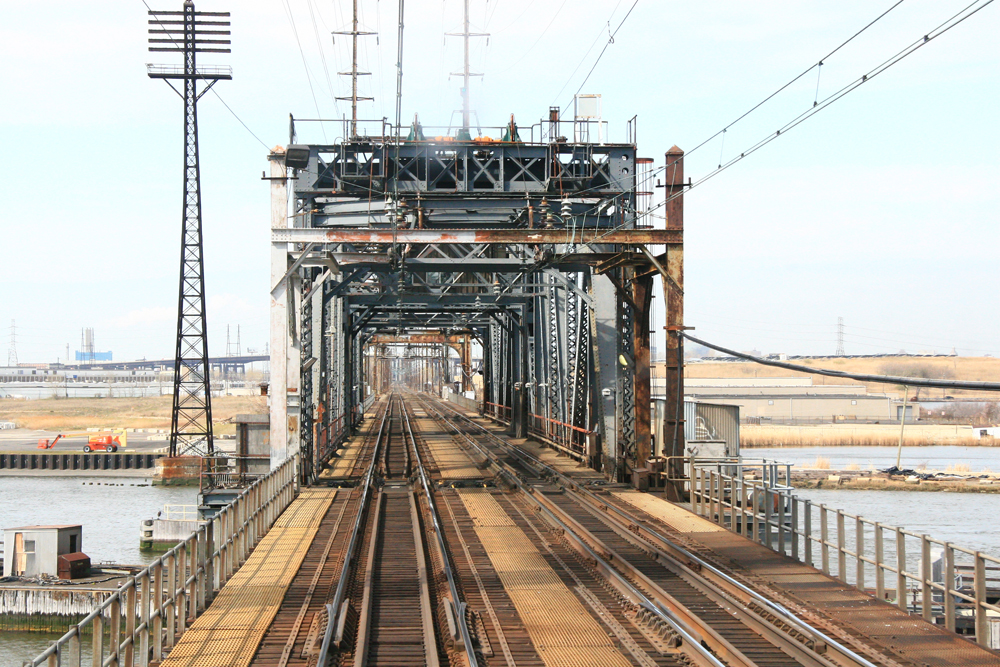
354,73
189,32
465,73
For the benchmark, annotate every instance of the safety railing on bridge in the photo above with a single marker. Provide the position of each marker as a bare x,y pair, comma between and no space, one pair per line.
497,411
152,609
947,584
573,440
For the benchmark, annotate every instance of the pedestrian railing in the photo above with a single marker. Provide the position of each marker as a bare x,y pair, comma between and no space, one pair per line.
947,584
147,615
180,513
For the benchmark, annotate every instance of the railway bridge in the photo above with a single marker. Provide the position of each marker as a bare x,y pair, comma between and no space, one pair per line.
502,526
460,415
433,537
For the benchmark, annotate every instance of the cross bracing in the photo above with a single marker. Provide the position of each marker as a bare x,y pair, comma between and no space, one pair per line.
507,270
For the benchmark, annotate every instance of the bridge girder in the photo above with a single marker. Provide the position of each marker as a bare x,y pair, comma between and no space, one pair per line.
527,254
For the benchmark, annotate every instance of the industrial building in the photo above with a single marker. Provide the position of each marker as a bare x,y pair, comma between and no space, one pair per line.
798,400
35,550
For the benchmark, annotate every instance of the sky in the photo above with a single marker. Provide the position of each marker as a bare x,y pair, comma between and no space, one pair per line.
881,209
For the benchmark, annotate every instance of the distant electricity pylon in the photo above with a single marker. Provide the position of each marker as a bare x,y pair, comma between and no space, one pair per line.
465,73
354,73
840,336
189,32
12,349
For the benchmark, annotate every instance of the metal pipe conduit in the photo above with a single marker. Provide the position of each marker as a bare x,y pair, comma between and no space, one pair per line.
786,614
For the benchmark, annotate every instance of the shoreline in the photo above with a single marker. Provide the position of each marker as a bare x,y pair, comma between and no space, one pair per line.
986,444
874,481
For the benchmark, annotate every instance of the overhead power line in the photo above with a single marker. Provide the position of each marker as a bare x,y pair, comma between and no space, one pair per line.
305,65
239,119
861,377
818,64
611,40
216,93
967,12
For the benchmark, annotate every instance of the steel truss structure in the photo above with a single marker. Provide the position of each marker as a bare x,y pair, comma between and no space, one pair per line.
397,249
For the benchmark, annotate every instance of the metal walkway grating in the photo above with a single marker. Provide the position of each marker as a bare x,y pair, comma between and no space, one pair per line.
230,630
561,629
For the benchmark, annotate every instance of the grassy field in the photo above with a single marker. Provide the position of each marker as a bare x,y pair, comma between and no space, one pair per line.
859,435
66,414
984,369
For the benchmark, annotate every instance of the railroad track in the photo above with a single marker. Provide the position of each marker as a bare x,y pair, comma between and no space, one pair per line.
292,638
388,609
713,618
399,573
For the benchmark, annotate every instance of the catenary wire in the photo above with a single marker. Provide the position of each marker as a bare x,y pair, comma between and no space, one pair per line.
305,65
818,63
928,37
611,40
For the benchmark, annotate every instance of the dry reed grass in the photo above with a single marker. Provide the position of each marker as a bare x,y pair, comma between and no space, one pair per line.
958,467
81,413
859,435
852,466
821,463
957,368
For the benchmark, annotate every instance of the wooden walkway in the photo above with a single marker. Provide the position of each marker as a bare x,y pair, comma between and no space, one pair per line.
230,630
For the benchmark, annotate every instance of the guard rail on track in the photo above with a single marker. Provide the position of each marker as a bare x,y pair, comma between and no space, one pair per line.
458,606
336,608
717,577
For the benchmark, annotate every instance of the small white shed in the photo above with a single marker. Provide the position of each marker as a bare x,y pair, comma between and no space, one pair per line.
33,550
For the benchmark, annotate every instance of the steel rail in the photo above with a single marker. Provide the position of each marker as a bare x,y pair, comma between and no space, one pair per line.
819,638
690,637
460,606
333,608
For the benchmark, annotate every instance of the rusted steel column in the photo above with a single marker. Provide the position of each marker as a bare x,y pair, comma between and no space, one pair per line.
466,359
673,292
642,295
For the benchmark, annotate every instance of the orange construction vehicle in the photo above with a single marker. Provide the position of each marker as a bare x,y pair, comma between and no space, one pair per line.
96,442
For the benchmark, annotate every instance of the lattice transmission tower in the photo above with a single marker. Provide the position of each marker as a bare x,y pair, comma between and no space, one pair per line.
466,73
354,73
190,32
12,348
840,337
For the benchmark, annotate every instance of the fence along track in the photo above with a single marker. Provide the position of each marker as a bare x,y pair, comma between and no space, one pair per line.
794,635
287,639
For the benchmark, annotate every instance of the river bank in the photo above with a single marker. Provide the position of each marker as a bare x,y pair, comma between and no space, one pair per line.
754,436
868,481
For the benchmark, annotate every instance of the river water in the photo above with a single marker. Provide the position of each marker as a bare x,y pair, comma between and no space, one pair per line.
944,515
110,510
